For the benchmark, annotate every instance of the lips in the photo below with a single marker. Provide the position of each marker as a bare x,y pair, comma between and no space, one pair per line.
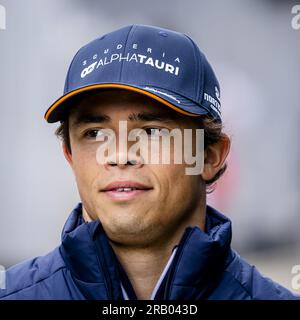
125,186
125,190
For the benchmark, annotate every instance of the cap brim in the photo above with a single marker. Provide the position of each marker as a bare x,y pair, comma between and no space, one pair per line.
177,102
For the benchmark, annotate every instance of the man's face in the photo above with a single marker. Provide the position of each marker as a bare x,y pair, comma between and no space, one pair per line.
172,198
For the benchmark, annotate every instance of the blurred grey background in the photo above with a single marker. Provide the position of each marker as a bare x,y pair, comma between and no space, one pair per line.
255,53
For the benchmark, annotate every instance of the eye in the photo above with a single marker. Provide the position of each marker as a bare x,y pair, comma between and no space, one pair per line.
93,133
155,132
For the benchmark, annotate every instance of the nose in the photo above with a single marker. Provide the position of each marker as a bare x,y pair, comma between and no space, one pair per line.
132,161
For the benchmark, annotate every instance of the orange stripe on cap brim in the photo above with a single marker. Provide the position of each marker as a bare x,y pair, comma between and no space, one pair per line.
120,86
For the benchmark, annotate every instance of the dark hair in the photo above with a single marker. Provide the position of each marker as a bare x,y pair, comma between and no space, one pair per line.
212,134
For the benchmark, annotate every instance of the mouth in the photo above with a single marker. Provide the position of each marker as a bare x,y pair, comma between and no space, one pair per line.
125,190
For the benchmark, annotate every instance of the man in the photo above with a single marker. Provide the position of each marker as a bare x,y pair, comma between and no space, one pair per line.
142,229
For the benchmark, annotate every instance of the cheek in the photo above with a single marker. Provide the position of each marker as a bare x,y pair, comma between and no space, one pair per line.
85,166
171,179
182,187
178,194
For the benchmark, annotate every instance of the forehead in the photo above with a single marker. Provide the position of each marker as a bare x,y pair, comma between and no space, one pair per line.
118,103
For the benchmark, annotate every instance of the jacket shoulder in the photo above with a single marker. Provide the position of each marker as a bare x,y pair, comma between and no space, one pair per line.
255,285
23,279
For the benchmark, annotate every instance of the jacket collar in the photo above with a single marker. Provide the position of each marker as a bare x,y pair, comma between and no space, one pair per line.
200,259
197,265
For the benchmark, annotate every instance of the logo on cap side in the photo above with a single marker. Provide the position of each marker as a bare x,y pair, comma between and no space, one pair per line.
214,104
217,92
161,92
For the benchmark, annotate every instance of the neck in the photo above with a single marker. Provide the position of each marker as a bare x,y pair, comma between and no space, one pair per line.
144,265
146,269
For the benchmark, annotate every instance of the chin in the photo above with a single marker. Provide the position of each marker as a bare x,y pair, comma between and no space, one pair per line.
129,229
132,239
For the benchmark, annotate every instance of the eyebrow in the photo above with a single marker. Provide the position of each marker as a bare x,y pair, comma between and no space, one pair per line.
91,118
140,116
152,116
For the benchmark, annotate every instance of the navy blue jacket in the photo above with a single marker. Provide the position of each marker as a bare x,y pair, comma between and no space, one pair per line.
84,266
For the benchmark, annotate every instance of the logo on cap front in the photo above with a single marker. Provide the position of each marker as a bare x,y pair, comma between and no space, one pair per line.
88,69
133,57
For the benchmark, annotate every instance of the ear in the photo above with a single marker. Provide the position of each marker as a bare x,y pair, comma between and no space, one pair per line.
214,157
67,154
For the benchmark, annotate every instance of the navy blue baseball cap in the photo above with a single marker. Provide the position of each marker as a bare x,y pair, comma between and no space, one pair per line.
163,64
